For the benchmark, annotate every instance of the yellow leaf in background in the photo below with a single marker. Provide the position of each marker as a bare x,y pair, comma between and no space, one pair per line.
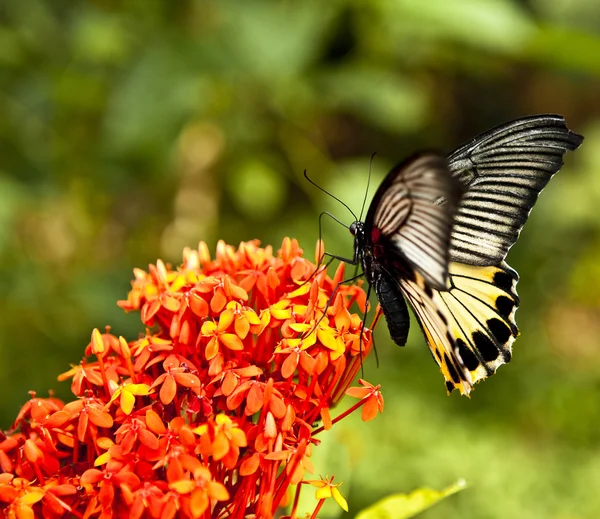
403,506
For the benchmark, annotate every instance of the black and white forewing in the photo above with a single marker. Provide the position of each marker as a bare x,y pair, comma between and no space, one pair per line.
412,212
504,171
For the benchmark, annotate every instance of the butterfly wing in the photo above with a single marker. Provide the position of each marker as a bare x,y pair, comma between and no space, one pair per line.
504,171
445,252
410,217
470,327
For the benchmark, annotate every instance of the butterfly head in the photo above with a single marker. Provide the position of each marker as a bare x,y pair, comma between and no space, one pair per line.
357,228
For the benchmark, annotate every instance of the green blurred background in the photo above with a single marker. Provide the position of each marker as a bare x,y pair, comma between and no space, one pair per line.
132,128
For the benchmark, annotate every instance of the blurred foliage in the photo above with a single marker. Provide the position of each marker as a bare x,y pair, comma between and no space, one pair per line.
132,128
405,506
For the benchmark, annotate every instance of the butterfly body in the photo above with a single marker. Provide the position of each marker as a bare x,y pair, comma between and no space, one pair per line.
370,253
436,235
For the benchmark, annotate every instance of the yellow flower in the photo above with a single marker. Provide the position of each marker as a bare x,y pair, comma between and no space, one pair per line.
127,394
326,489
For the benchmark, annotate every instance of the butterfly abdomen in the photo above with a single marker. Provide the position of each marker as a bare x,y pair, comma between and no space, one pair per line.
394,308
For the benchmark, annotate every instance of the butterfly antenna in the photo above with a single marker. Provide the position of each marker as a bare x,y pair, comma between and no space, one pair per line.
332,196
325,213
321,254
368,184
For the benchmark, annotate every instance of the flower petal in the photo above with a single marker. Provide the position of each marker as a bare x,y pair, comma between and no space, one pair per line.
217,491
183,486
225,319
250,465
327,339
370,408
218,301
168,390
212,348
339,498
208,328
155,422
357,392
323,492
127,402
242,327
290,364
232,341
220,446
186,379
198,305
199,502
100,418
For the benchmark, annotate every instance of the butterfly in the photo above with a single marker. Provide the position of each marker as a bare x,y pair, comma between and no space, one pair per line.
436,235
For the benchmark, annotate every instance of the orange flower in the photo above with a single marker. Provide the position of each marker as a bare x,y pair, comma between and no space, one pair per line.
371,396
214,404
19,496
174,375
201,489
226,438
218,335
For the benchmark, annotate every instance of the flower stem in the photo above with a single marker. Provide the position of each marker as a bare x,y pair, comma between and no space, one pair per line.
343,415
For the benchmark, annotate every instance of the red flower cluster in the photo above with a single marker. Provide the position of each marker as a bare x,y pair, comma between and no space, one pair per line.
211,414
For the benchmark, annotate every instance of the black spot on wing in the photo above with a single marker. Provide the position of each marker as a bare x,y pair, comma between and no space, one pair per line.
468,357
501,332
505,306
504,281
449,386
486,347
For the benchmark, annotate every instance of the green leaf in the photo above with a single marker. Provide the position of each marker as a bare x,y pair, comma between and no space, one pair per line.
403,506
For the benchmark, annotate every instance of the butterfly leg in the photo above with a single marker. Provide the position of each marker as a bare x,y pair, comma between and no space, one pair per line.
323,255
335,290
316,271
330,300
353,261
332,258
378,314
362,331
